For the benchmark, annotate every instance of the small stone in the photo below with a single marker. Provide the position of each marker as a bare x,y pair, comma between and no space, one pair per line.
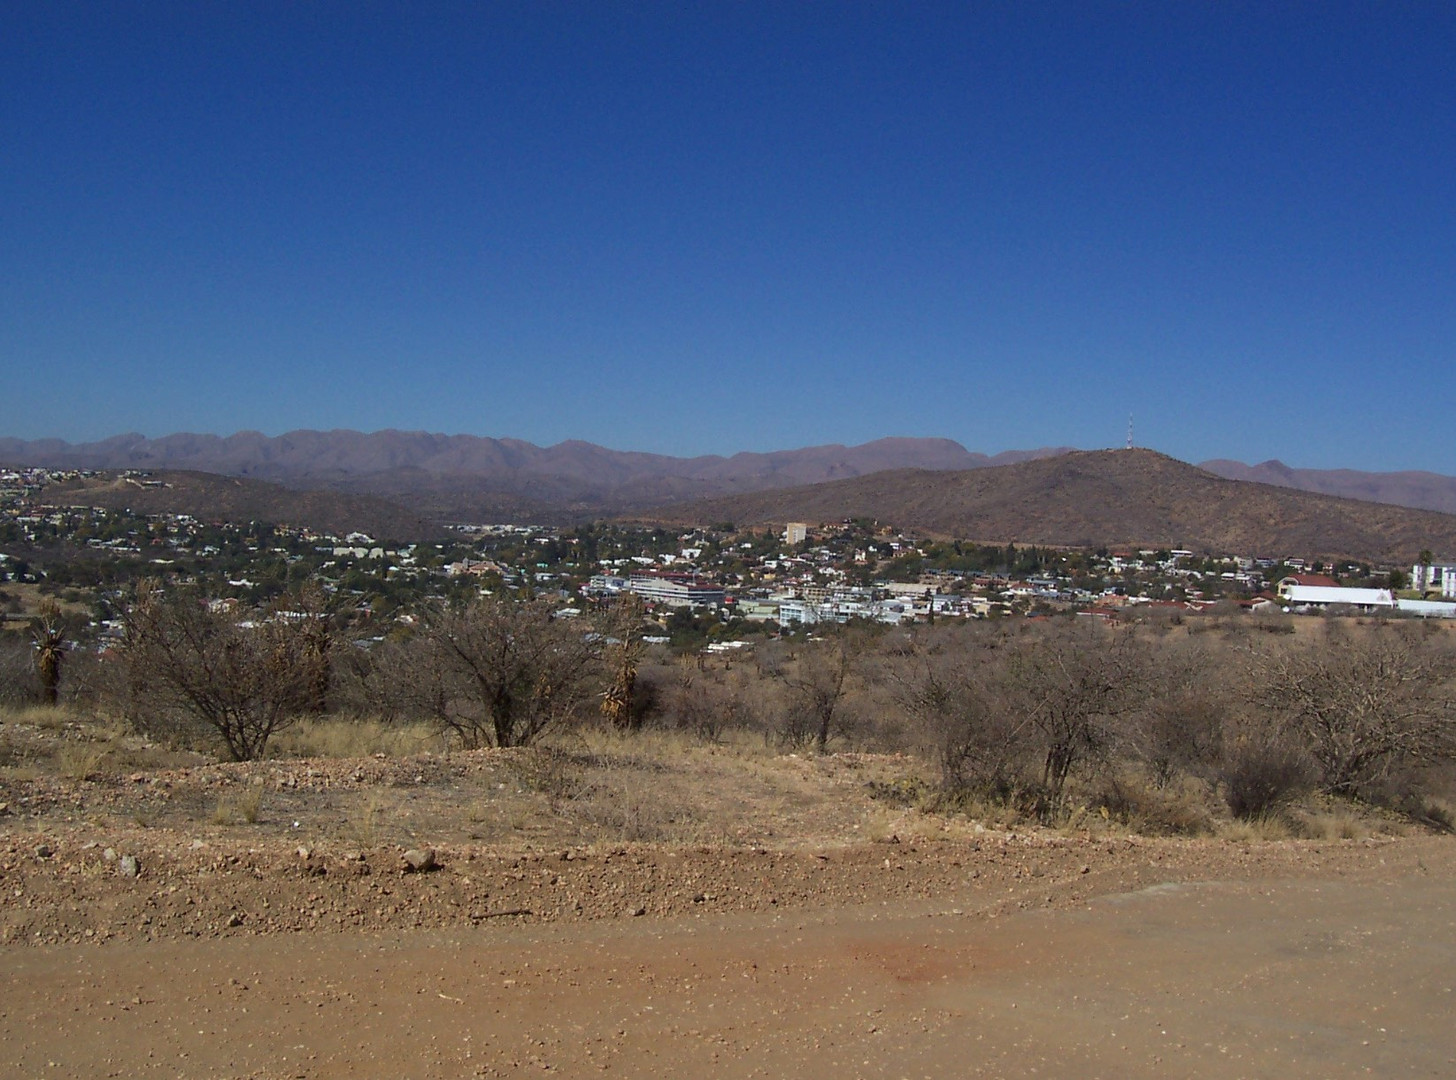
639,910
109,854
44,851
235,920
419,860
303,852
129,866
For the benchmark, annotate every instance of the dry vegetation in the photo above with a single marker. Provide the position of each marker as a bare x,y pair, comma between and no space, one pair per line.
1159,727
872,751
1033,763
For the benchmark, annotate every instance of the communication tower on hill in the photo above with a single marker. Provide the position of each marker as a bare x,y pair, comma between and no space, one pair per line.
1129,431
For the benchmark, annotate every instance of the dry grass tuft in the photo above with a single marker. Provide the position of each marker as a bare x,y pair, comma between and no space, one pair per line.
41,717
1256,829
81,760
337,737
1138,806
368,818
242,807
1333,825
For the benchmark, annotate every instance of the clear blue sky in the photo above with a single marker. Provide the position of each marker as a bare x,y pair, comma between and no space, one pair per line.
702,228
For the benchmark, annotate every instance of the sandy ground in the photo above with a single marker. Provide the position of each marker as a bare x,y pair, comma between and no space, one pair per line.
688,911
1006,957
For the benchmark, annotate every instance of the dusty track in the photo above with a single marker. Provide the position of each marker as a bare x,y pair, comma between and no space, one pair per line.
996,957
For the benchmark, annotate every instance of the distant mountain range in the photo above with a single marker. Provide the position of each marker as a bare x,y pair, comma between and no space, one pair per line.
401,485
471,477
1103,498
1422,490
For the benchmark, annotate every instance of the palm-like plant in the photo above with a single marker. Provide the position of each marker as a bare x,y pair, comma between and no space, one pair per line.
48,635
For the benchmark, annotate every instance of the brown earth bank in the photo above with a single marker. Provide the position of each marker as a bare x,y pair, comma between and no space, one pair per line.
997,956
656,906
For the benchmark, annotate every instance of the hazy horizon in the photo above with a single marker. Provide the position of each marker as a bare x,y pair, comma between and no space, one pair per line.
701,230
990,452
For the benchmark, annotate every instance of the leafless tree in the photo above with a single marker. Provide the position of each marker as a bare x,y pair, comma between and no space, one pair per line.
392,681
711,700
816,689
1189,692
946,680
1070,685
503,672
1364,702
195,669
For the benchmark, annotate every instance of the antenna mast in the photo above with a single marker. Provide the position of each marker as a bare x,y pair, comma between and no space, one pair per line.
1129,431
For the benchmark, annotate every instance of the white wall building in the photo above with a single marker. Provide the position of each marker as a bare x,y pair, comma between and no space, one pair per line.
1434,577
1322,596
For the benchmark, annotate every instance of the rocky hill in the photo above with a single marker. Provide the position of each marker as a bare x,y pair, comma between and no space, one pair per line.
1107,498
228,498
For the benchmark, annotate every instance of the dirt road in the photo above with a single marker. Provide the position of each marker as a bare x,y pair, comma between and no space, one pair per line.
1271,971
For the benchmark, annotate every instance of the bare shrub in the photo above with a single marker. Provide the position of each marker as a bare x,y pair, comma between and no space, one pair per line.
1259,769
1272,621
1071,685
19,685
709,702
815,704
1436,813
947,681
1364,703
500,672
198,672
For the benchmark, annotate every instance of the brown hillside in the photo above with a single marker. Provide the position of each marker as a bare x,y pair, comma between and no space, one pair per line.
465,477
1102,498
225,498
1424,490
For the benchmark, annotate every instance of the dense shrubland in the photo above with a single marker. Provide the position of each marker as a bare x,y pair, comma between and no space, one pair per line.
1165,724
